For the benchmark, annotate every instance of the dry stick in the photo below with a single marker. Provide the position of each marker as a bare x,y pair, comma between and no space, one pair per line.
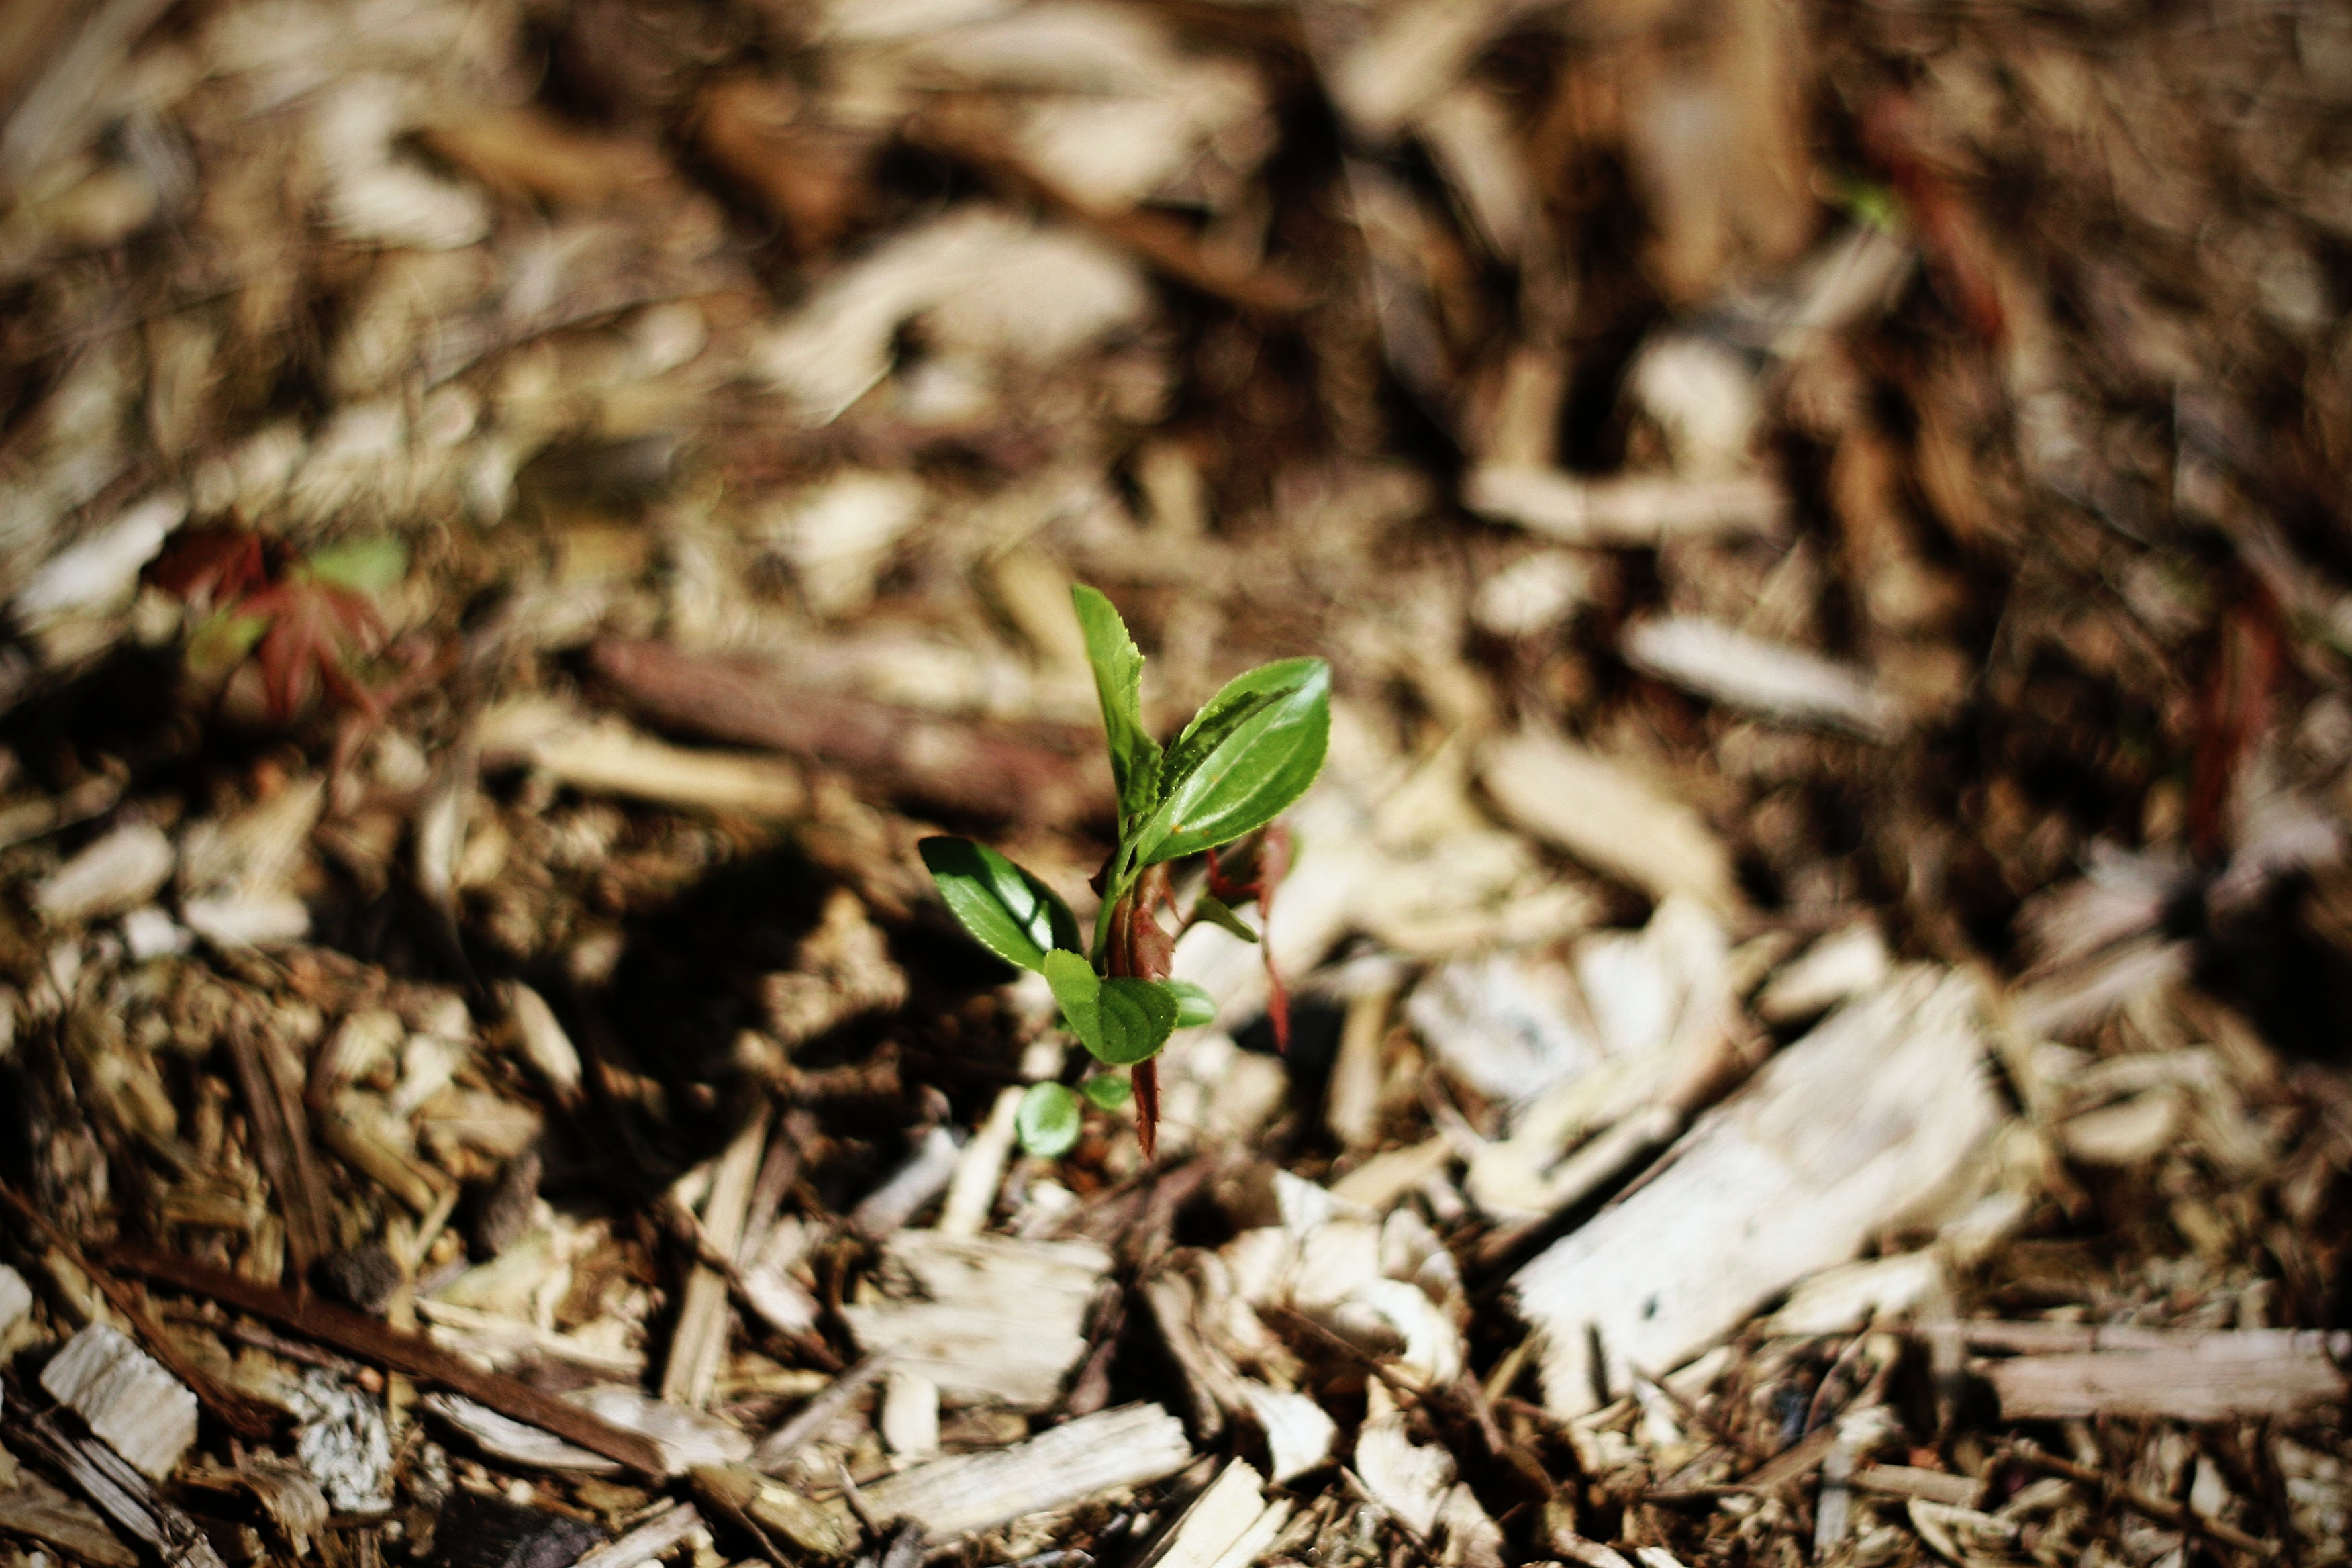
778,1446
1048,778
2164,1510
1162,242
281,1138
699,1341
372,1341
654,1537
240,1411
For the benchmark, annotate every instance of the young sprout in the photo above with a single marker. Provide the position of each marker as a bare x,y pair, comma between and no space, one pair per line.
1244,759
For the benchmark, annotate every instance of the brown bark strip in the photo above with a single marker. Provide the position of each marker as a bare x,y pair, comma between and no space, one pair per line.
254,1419
281,1140
364,1337
1033,773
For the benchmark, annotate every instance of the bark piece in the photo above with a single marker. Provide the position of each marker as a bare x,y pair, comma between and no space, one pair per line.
1872,1112
984,1317
1037,772
1132,1445
138,1407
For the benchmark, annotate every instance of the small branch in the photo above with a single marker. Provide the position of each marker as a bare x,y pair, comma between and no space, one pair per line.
251,1418
1036,777
2163,1510
372,1341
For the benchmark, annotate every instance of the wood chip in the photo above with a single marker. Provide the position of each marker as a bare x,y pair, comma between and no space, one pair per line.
1831,1140
1229,1525
128,1400
1608,817
1786,685
984,1317
1626,511
1132,1445
1910,1481
2196,1377
698,1344
606,755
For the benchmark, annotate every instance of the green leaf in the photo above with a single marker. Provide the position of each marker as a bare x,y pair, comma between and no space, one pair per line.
1217,912
1048,1120
1244,758
1014,915
1119,1021
1109,1091
373,567
1194,1005
1119,681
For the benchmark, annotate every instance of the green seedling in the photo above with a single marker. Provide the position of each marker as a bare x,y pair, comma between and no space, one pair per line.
1218,787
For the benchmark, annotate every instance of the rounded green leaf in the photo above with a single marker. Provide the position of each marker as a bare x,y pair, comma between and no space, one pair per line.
1109,1091
1120,1021
1048,1120
1242,762
1194,1005
1012,914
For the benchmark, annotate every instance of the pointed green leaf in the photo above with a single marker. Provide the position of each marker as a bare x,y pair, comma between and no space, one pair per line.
1242,696
1107,1090
1194,1005
1217,912
1048,1120
1014,915
1119,1021
1243,760
1119,681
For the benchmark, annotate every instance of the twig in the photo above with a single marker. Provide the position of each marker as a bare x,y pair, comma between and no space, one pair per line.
648,1540
778,1446
247,1417
281,1140
2164,1510
925,758
372,1341
1162,242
